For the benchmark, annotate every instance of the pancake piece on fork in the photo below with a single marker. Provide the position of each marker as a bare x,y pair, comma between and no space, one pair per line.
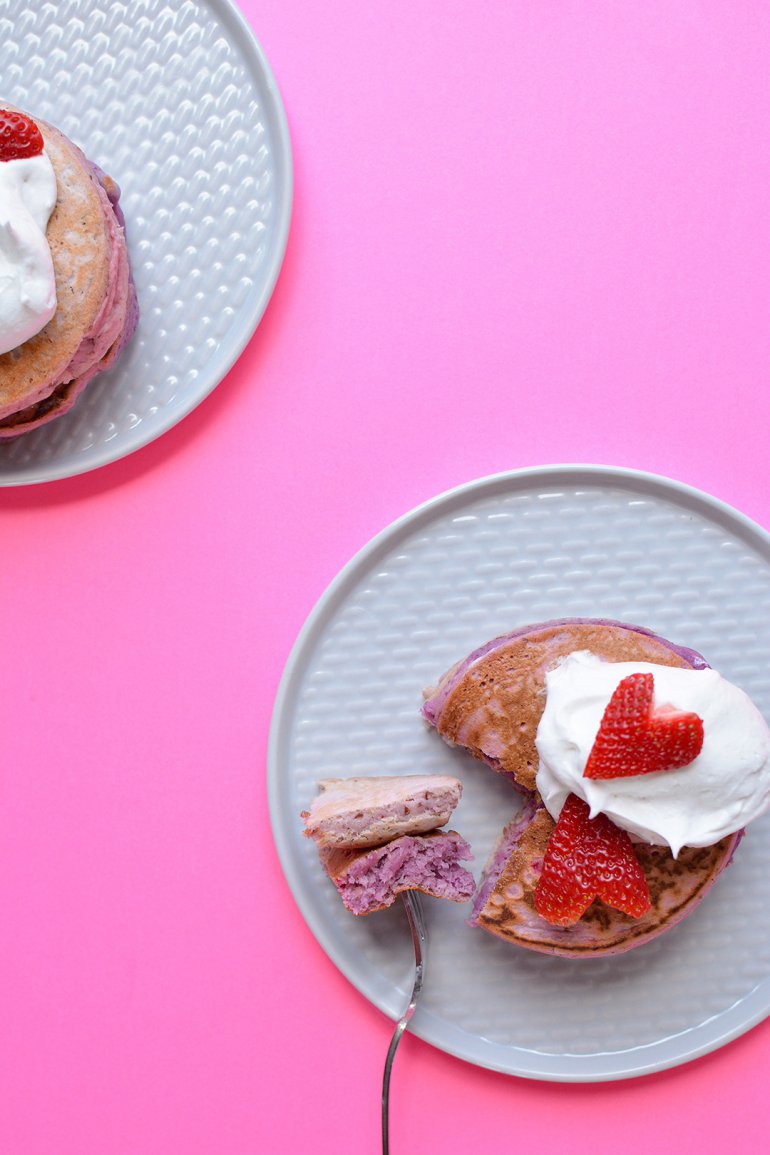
380,836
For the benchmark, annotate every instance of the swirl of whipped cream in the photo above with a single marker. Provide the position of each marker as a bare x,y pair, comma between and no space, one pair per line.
27,285
725,787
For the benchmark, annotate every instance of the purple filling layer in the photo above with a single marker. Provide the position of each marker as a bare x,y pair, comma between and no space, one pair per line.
500,855
430,864
112,189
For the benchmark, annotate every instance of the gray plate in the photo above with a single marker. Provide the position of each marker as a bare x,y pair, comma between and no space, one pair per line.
470,565
179,105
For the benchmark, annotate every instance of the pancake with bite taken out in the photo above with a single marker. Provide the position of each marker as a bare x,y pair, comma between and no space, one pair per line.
491,704
504,904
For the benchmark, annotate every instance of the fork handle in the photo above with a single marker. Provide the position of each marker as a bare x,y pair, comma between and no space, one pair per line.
414,914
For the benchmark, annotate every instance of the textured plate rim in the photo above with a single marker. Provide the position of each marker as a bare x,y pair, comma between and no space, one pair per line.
661,1054
240,32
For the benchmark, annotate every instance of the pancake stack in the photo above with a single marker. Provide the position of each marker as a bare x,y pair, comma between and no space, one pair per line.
96,310
491,704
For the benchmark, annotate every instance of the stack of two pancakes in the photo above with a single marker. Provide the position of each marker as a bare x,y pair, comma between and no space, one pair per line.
96,310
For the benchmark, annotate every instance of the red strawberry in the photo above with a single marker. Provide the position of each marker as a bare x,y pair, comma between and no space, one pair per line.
634,739
588,858
19,136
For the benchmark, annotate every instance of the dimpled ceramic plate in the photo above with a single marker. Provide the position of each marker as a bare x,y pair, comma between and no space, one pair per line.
464,568
179,105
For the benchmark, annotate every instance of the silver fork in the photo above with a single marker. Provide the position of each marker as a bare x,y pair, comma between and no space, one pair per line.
414,914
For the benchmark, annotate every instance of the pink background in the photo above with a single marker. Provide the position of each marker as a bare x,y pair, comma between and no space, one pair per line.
523,233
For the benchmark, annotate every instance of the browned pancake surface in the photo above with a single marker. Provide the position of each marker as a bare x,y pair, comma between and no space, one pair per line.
676,886
495,709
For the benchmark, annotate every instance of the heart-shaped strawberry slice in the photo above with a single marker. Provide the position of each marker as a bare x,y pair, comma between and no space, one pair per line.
635,739
19,136
588,858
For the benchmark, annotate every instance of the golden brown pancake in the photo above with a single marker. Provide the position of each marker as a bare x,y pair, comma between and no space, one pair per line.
492,705
506,909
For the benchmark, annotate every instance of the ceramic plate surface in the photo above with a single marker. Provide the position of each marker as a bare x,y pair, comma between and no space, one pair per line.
179,105
464,568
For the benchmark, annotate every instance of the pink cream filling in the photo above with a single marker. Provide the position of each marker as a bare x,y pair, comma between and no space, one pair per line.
412,861
500,855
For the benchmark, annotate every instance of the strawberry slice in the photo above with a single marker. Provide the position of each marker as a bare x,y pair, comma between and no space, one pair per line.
19,136
635,739
588,858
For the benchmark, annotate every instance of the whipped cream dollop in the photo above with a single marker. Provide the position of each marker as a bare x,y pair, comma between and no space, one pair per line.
27,285
725,787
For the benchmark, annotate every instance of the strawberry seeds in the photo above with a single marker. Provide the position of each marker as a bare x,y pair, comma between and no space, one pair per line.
589,858
19,136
